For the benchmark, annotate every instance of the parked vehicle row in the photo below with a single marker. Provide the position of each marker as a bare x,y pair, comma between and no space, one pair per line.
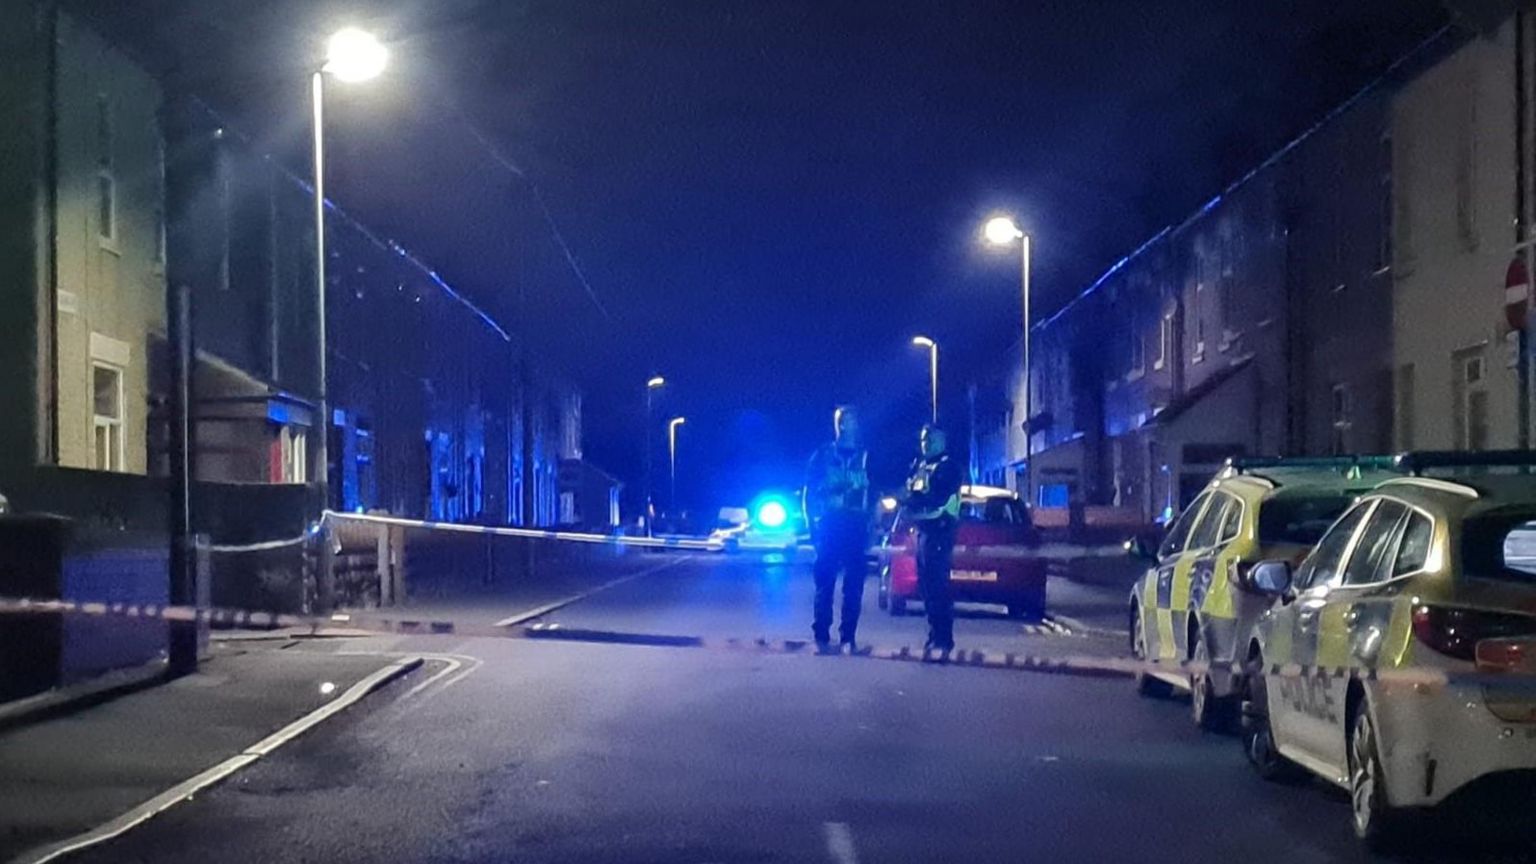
1366,566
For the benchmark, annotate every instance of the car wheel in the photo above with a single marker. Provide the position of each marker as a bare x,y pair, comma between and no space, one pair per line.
1257,735
898,607
1211,713
1376,821
1146,685
883,596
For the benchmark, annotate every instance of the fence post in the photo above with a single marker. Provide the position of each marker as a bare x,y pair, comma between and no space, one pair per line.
397,574
381,565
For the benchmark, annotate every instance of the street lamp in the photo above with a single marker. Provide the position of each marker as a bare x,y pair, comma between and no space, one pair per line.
933,370
651,386
351,55
672,455
1001,231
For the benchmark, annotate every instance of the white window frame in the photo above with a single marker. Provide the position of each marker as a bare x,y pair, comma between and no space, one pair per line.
1341,411
1199,315
113,427
293,445
106,174
1164,341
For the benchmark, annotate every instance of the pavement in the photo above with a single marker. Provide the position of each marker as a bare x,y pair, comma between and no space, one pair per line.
67,775
556,752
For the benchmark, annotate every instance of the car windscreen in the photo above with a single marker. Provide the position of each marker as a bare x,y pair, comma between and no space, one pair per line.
994,511
1500,545
1300,520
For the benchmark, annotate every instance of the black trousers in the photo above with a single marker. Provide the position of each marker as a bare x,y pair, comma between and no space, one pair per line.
840,546
935,551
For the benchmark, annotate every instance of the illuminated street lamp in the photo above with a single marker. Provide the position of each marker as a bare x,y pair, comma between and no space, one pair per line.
351,55
651,386
1002,231
933,371
672,454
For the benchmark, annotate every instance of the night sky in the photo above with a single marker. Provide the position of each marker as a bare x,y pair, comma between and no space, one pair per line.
768,199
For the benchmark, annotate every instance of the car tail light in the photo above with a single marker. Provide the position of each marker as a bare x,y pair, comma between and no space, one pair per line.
1506,655
1456,632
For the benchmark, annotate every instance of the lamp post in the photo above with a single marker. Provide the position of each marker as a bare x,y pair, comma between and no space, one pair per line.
655,383
933,371
672,456
1001,231
351,55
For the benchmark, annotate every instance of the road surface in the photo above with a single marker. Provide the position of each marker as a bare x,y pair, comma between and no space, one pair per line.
571,751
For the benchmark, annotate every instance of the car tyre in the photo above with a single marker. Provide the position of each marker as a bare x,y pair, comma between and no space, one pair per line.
1211,713
1146,685
1031,610
1257,736
897,607
1377,823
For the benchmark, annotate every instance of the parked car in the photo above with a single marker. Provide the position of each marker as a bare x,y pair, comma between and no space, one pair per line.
996,557
1421,575
1189,605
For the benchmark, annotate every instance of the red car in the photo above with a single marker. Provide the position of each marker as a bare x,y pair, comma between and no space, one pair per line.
996,557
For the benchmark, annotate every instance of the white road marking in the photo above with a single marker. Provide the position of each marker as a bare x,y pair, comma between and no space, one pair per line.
184,790
840,843
540,612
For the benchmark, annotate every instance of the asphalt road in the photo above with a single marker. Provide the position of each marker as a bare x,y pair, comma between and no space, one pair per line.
583,752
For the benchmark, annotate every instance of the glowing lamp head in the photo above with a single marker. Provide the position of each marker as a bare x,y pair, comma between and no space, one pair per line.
655,382
354,55
1000,231
922,341
772,514
889,503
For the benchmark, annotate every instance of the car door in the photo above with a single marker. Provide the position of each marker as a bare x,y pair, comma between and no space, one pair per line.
1192,581
1171,559
1293,699
1350,608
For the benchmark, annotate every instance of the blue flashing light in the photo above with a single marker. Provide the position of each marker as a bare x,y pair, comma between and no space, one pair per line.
772,514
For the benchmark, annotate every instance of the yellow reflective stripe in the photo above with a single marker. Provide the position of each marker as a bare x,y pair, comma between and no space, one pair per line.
1399,638
1178,600
1166,648
1333,635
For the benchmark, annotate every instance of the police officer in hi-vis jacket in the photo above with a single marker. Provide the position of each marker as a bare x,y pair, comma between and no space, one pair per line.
933,506
836,500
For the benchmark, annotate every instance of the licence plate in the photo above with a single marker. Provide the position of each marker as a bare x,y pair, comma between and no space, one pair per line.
973,575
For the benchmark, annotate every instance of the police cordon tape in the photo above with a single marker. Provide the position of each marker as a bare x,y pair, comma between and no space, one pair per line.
357,624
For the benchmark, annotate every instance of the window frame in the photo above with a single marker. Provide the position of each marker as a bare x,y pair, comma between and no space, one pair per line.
116,427
1305,573
1195,512
1394,539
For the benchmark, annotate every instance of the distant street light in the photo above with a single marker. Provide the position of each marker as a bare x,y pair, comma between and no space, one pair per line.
351,55
651,386
1001,231
672,455
933,371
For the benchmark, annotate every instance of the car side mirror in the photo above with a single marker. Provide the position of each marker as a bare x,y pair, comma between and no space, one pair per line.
1138,548
1268,578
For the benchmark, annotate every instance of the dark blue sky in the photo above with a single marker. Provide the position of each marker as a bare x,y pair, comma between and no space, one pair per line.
771,197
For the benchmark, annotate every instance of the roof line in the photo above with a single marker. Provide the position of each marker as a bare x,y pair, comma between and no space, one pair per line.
385,245
1269,162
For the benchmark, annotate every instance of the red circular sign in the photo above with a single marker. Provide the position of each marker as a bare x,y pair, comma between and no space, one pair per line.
1517,294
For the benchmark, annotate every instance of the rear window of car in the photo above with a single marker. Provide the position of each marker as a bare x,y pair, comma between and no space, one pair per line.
1500,546
1300,521
995,511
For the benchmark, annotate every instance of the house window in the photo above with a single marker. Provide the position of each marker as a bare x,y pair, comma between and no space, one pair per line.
107,416
1164,341
567,508
1384,195
159,214
1469,399
293,454
1199,310
1138,350
106,177
1054,495
1466,168
1342,413
1405,405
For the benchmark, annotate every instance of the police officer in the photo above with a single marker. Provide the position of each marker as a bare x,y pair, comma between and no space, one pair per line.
933,505
836,500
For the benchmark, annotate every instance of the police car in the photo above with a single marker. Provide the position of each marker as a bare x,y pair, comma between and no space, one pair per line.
1188,606
1398,658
